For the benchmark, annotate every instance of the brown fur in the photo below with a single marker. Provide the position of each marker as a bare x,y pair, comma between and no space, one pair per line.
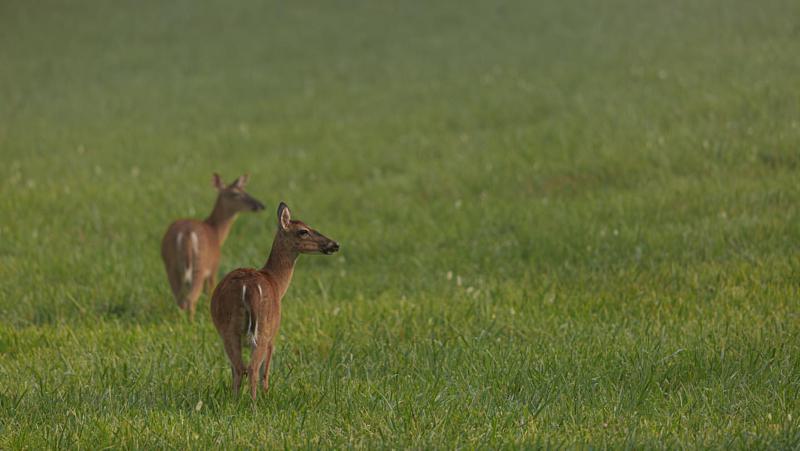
190,267
248,301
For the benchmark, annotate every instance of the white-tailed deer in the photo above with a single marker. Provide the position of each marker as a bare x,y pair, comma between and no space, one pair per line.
191,248
248,301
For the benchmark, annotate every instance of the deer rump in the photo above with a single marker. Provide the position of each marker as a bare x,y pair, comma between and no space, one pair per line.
253,303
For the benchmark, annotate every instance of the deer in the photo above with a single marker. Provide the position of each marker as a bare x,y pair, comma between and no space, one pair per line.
191,248
248,301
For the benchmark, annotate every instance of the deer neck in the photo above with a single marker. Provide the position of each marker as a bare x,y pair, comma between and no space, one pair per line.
221,220
280,264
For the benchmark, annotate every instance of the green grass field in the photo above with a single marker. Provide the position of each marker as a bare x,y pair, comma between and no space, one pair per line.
563,223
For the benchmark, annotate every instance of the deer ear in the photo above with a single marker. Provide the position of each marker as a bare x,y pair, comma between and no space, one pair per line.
217,181
240,182
284,216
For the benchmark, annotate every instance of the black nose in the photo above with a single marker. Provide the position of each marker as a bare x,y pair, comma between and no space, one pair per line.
333,247
257,206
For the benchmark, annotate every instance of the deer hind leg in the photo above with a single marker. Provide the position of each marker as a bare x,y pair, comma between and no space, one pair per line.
233,347
211,282
256,359
192,295
176,285
265,366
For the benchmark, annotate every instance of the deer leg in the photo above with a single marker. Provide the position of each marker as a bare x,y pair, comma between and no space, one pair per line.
256,359
211,282
233,347
176,286
190,299
267,361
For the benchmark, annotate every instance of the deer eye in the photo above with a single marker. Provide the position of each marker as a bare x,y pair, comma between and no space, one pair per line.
302,232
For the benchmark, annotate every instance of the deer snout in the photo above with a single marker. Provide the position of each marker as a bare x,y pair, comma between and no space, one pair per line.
331,247
257,206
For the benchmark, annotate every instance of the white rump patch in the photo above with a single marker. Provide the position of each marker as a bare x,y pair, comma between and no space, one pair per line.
187,271
255,321
195,245
252,325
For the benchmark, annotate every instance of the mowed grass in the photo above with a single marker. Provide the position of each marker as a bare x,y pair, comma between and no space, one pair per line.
562,223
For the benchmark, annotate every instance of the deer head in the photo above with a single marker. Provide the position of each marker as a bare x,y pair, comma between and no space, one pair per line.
300,237
233,198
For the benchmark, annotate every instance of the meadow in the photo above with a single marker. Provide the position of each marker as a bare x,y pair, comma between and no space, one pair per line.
563,223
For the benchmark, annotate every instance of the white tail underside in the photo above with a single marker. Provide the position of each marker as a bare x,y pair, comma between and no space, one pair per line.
188,271
252,324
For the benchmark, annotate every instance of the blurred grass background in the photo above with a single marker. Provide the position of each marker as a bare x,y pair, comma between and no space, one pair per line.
563,223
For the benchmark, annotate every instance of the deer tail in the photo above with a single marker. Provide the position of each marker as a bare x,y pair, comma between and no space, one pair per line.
252,319
187,252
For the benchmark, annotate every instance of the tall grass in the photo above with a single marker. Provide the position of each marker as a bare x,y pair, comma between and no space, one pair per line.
562,223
